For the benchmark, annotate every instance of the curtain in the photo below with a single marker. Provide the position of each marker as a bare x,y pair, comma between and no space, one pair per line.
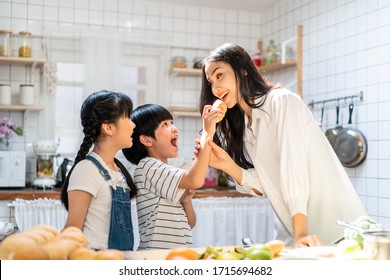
224,221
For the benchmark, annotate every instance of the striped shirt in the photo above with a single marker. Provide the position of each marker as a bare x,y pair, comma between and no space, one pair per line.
162,221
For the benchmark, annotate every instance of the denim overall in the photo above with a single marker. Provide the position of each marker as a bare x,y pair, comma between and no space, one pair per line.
121,228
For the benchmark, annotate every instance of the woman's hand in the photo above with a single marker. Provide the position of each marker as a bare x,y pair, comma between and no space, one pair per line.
210,118
308,241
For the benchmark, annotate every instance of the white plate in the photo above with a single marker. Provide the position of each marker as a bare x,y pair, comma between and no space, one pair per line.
310,253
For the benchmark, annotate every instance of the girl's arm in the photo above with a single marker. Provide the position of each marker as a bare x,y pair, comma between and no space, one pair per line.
78,207
186,201
194,178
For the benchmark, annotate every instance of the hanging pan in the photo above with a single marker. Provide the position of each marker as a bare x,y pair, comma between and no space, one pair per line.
331,133
350,144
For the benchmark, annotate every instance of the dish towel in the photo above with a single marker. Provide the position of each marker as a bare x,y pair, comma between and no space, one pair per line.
6,229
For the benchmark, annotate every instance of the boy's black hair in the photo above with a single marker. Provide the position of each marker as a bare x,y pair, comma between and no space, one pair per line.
146,118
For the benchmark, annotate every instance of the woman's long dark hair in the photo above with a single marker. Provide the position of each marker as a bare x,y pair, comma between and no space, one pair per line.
100,107
146,118
230,131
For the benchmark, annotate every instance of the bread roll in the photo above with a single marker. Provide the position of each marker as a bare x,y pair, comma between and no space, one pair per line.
76,234
219,104
82,254
21,247
276,246
110,254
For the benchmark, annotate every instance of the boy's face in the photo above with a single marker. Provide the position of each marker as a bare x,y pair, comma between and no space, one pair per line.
165,143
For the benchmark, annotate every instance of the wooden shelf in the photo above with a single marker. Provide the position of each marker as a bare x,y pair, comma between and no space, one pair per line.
277,65
185,72
21,60
20,108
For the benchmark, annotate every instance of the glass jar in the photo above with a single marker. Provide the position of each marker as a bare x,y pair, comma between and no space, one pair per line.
24,44
5,43
27,94
5,94
179,62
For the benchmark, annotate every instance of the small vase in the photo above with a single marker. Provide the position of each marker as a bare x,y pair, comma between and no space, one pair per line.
3,146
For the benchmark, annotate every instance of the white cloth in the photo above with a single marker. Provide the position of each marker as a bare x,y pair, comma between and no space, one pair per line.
87,177
29,213
224,221
297,168
162,221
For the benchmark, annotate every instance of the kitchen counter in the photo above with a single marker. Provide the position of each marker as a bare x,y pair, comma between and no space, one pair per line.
33,193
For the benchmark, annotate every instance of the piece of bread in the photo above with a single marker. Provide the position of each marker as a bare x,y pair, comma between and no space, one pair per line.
20,247
76,234
276,246
219,104
110,254
82,254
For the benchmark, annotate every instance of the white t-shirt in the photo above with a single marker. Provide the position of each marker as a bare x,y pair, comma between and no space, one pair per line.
86,177
162,221
296,167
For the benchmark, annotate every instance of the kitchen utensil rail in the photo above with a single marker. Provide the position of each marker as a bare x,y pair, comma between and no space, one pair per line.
345,98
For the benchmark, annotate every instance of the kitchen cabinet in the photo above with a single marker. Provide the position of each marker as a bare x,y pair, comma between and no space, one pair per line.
266,68
33,64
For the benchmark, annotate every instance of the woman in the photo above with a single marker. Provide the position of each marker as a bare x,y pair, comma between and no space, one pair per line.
98,188
275,148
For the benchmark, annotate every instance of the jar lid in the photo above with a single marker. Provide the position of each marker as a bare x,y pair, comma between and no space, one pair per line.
6,31
25,33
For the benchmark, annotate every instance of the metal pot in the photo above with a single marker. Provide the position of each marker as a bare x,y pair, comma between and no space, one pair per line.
377,245
63,171
350,144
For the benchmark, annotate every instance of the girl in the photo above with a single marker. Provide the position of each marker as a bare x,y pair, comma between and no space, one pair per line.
274,147
98,188
164,207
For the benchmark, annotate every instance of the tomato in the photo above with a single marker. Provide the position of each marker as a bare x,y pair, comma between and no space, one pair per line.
182,254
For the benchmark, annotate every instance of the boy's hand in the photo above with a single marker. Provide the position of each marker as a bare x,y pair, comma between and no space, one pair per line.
187,196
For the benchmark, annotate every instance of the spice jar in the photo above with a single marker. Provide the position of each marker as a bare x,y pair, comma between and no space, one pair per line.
5,43
27,94
179,62
5,94
24,44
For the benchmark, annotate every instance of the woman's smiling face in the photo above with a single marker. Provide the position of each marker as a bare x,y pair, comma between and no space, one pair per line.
222,80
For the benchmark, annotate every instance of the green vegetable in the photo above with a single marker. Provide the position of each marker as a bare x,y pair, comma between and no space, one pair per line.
364,222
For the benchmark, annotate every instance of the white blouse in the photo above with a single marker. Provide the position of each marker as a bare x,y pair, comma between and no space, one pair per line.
296,167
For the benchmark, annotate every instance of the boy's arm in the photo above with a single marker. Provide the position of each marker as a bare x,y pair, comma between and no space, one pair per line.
194,178
186,201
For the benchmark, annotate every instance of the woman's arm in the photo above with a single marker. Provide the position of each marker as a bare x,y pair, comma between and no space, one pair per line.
186,201
301,237
78,207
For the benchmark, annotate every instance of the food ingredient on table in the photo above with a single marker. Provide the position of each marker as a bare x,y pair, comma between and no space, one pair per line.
45,242
349,249
364,222
182,254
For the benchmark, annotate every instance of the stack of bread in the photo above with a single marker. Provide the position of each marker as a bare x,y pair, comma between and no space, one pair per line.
45,242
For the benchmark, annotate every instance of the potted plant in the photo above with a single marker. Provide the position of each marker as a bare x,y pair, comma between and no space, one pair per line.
7,129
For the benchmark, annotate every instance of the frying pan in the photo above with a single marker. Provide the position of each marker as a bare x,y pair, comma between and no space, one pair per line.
331,133
350,144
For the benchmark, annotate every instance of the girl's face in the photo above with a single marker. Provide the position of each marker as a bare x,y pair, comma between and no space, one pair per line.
125,128
223,82
165,144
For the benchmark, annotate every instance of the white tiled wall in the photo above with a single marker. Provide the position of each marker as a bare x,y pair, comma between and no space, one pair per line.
346,50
